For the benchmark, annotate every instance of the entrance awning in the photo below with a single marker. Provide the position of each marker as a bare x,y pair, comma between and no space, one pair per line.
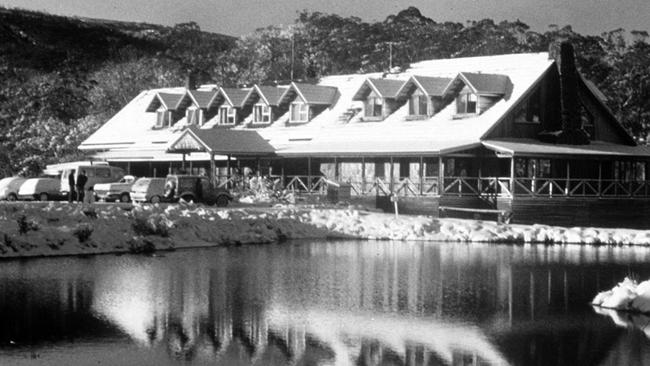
221,141
597,149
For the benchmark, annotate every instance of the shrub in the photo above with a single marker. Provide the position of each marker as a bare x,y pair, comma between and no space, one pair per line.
83,232
142,246
25,226
153,225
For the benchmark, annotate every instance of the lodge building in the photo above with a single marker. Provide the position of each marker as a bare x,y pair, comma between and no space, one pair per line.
522,134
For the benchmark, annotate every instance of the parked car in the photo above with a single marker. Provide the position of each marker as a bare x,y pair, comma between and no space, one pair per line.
96,173
150,190
117,191
195,188
41,189
9,187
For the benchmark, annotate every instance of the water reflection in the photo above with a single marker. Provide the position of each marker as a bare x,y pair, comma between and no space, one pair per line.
321,303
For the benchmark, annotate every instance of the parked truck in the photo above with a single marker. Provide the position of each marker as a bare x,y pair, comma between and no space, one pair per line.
116,191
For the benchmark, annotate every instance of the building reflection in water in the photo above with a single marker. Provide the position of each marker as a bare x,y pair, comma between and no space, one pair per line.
335,303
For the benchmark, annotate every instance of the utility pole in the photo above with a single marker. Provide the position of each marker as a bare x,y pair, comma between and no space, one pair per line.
292,50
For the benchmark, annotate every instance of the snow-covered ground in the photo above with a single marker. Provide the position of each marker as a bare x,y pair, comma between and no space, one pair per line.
59,228
628,295
628,304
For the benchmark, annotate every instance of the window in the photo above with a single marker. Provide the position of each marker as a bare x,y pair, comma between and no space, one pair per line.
261,114
418,105
588,122
194,116
227,115
102,172
466,103
163,118
299,112
374,106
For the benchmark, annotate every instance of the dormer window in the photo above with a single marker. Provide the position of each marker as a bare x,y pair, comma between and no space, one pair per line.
299,112
163,118
466,103
227,115
374,107
194,116
418,105
261,113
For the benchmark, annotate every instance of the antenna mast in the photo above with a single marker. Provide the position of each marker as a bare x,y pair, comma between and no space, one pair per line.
292,50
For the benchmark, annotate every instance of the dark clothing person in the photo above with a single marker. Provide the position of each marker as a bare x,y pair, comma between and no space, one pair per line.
81,183
71,185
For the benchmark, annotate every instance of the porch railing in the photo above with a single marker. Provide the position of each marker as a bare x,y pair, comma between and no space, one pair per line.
427,186
483,187
544,187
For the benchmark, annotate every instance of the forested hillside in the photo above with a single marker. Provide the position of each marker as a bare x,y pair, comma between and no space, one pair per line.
63,77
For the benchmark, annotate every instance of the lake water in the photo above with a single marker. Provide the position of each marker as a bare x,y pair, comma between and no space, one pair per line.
322,303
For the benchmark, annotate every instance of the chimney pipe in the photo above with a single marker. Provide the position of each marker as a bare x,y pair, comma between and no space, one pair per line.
572,131
190,82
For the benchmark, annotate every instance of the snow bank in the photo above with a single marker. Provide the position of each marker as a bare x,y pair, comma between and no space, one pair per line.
627,295
59,228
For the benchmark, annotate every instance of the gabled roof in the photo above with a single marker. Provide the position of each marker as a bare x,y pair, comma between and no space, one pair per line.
431,86
386,88
168,100
479,83
220,141
235,97
311,94
202,98
271,95
530,147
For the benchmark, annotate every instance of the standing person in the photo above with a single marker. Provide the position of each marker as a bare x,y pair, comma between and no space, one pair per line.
71,186
81,183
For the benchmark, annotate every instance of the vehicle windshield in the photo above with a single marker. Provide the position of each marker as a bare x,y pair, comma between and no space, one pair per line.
141,183
4,182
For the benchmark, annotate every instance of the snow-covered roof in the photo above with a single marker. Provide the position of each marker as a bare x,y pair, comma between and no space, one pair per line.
530,147
234,97
202,98
311,94
339,129
429,85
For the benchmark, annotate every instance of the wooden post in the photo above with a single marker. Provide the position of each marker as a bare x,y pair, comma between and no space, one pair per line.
309,174
128,167
421,172
228,170
213,170
336,169
512,176
600,178
568,177
392,171
441,176
363,175
282,174
183,164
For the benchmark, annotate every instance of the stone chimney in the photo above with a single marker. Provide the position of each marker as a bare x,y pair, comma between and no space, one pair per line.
190,82
572,132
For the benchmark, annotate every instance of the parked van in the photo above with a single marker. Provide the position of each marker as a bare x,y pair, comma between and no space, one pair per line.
9,187
148,190
40,189
96,173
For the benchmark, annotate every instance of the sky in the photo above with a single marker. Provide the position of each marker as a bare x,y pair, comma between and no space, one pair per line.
238,17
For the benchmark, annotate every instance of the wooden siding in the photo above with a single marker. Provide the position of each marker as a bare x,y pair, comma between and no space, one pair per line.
604,130
624,212
486,102
549,111
409,205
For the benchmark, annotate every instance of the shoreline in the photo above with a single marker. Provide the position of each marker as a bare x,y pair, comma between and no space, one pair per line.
37,229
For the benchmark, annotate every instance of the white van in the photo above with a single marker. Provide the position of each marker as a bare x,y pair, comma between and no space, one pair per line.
96,173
